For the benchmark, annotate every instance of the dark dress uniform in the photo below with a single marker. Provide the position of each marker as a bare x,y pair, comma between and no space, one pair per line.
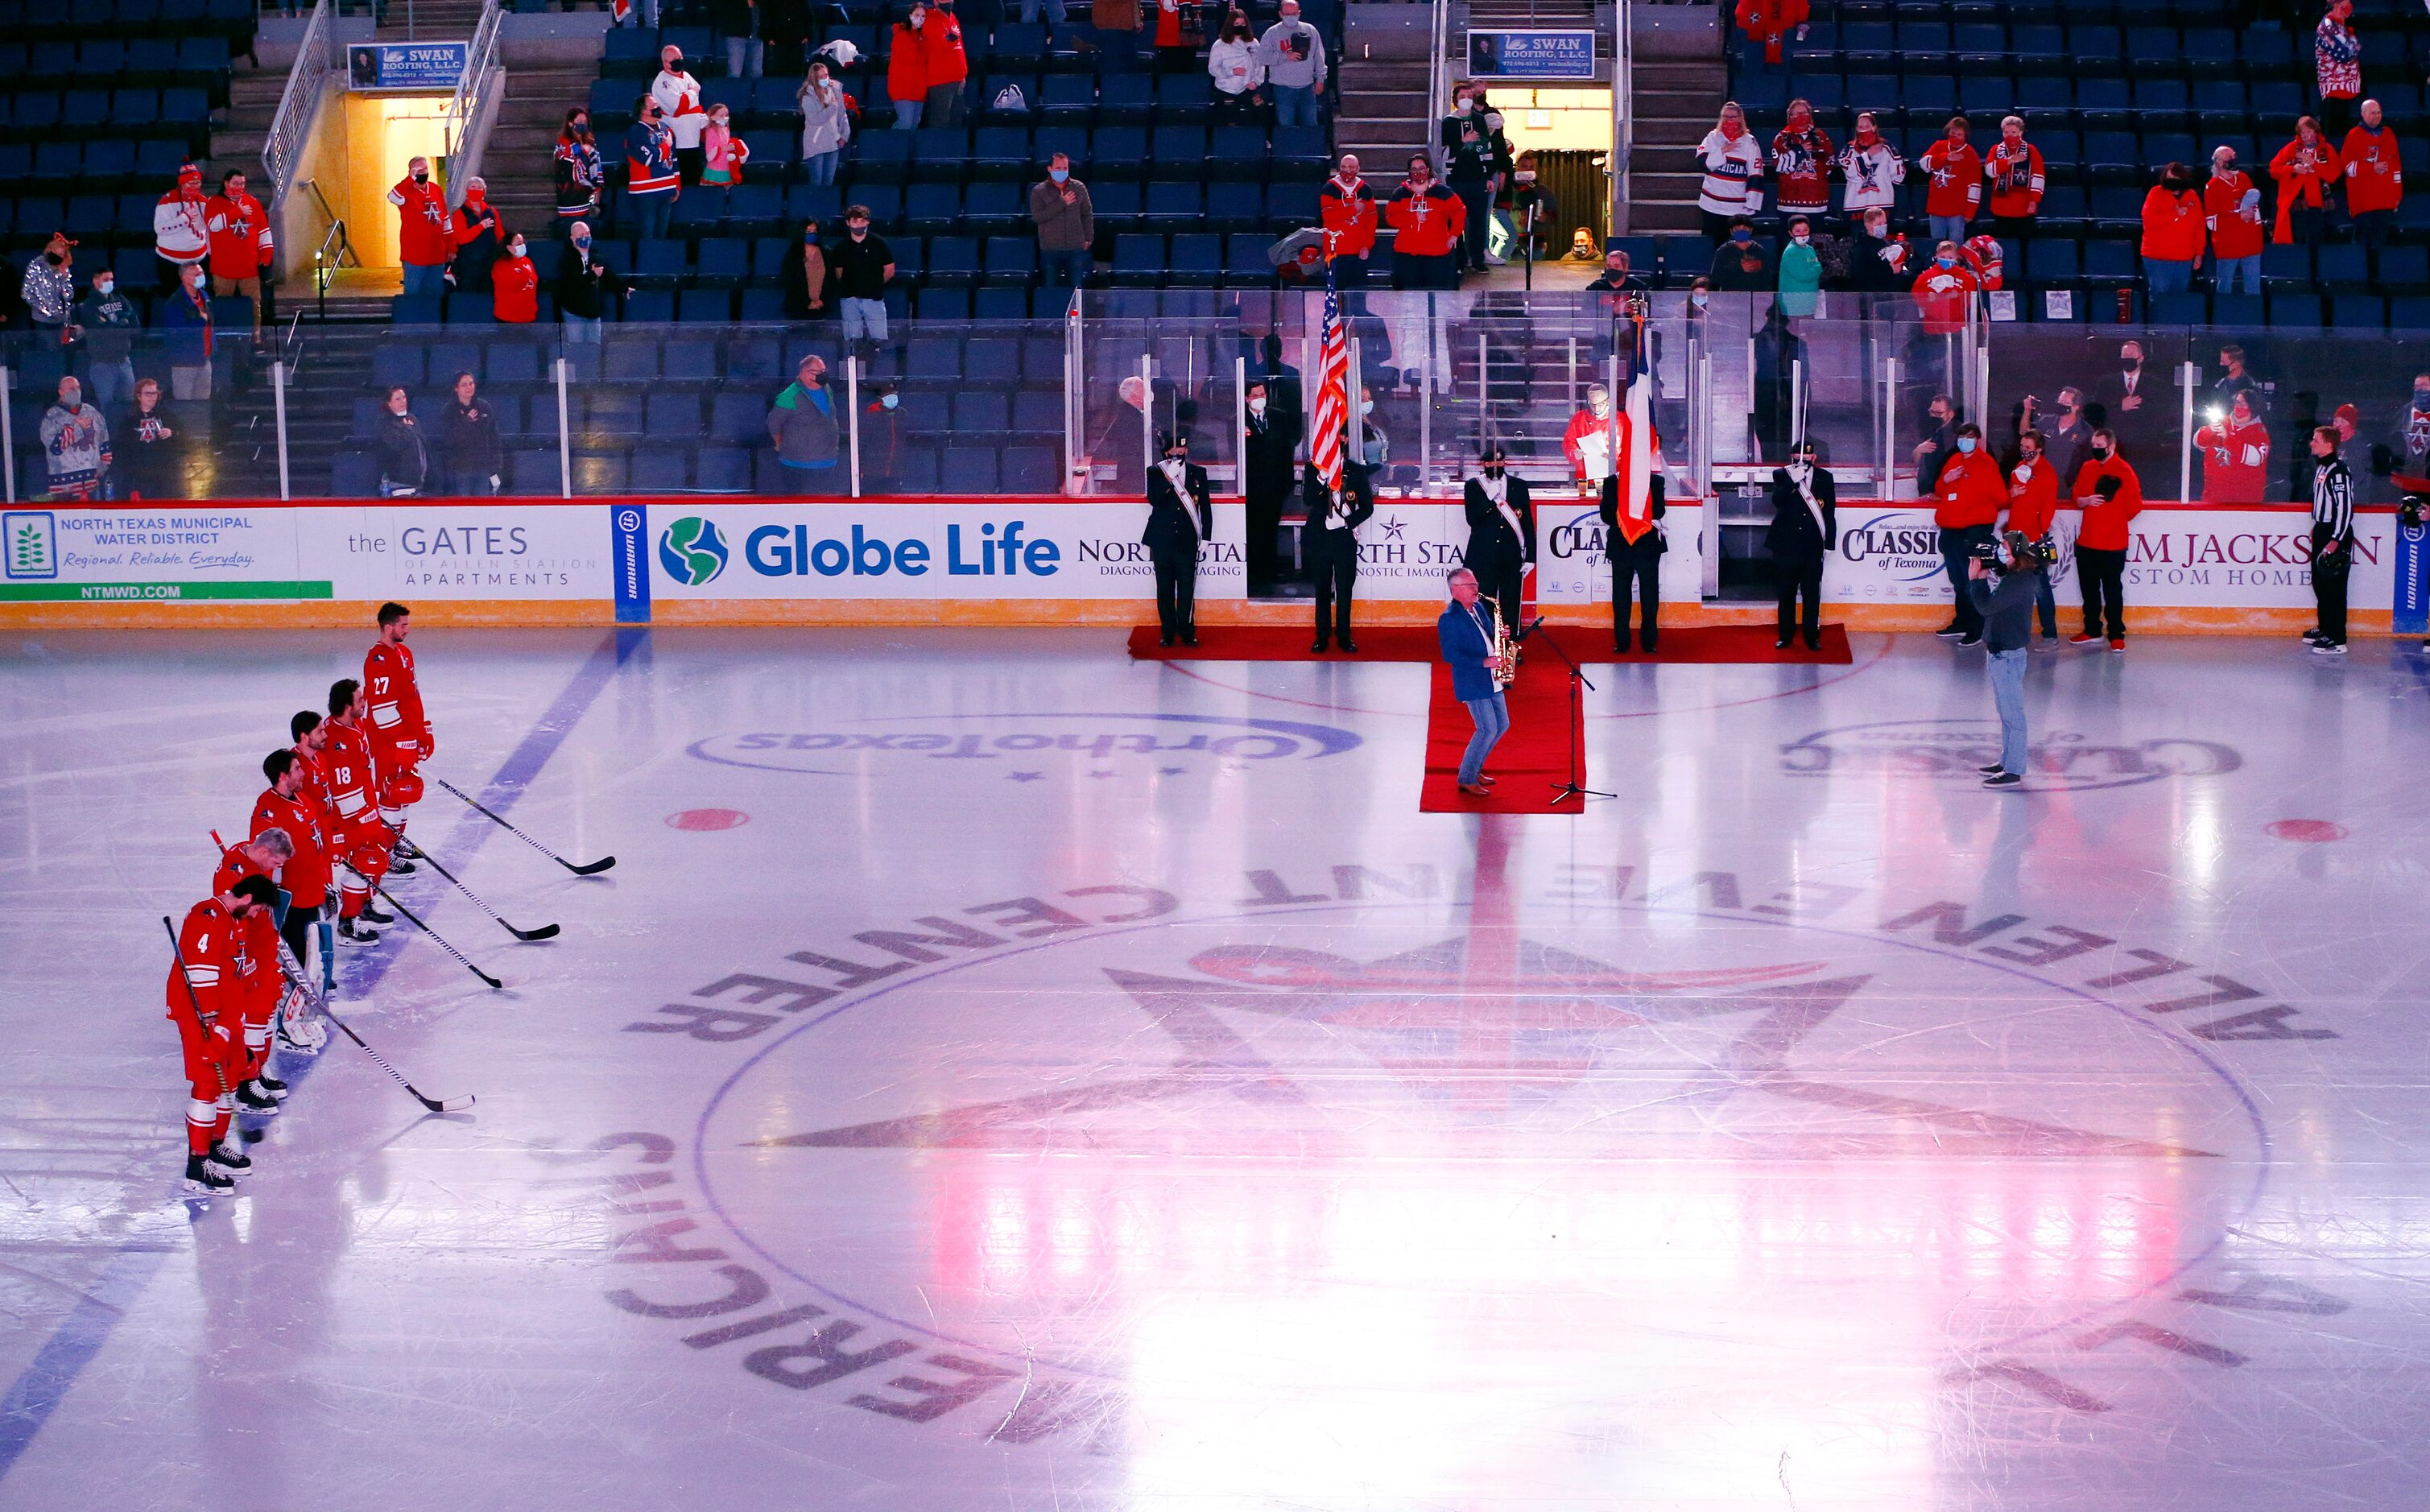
1178,521
1798,546
1333,549
1268,447
1494,555
1634,563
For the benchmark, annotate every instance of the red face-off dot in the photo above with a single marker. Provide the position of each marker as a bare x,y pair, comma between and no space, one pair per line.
707,819
2311,831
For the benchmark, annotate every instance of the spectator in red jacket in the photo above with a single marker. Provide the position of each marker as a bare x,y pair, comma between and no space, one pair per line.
1427,221
2015,170
1968,498
2375,176
516,285
2110,495
424,223
907,68
1944,291
240,233
1769,26
2306,168
1348,207
2173,232
2033,503
945,65
1955,173
2232,215
2236,454
1801,164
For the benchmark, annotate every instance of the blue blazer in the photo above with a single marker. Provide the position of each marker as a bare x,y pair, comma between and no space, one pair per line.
1471,655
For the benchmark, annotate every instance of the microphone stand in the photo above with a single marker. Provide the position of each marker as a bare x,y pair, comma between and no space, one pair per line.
1576,787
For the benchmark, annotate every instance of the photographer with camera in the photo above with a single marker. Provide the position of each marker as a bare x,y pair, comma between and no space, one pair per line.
2004,578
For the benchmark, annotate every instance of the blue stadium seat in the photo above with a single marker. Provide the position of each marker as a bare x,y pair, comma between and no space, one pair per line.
969,470
1184,99
465,308
658,470
1173,206
2104,105
397,362
1027,469
2358,312
2342,268
1019,45
998,207
943,153
532,473
1245,262
515,362
1235,206
667,416
650,305
953,261
2301,312
1178,150
1138,260
1119,203
724,470
1237,152
1011,259
755,208
2241,311
1007,301
992,362
931,208
354,475
1289,206
1001,152
882,156
1126,99
712,305
2403,270
2109,264
983,412
1068,99
2410,312
2180,310
738,415
1119,151
697,212
661,264
2050,262
884,201
1197,259
1299,152
2156,50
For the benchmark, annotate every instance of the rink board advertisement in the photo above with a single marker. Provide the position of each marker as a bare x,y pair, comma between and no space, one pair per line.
289,553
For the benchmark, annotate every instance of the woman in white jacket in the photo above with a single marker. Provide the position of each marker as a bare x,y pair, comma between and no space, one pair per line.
1872,169
1239,74
1733,168
826,127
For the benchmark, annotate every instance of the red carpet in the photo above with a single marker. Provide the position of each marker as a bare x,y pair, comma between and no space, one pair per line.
1534,757
1416,642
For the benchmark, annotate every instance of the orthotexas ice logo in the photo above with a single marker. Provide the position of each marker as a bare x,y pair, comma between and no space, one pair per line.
1956,749
1020,744
29,541
692,551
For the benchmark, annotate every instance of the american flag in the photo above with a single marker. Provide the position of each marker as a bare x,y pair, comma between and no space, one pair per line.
1332,390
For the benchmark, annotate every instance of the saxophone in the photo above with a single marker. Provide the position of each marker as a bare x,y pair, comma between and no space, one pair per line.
1506,657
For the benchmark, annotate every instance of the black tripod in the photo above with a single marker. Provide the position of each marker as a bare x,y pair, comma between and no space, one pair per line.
1576,787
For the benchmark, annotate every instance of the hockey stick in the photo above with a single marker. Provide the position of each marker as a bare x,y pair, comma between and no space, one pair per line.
592,869
437,939
202,1021
435,1104
544,932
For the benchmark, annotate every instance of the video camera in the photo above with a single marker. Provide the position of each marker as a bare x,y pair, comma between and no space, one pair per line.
2027,555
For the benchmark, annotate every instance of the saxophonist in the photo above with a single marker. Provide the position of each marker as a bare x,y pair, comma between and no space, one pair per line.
1180,515
1472,638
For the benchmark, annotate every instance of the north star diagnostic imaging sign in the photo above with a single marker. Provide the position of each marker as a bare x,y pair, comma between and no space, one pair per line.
428,66
1532,55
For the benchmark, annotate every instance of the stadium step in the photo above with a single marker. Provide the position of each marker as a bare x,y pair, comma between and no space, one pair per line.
517,164
432,20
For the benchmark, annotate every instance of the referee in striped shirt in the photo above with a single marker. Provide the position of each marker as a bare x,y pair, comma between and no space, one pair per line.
2332,542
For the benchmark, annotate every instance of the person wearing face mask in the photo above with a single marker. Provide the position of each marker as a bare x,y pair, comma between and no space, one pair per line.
583,285
2173,232
827,124
76,444
1500,532
578,170
108,318
1939,445
1800,271
651,179
721,153
863,265
2232,215
515,284
241,246
2066,441
1801,164
1067,226
48,289
1295,56
2374,175
1871,170
2332,504
151,453
1470,163
1876,259
422,224
2014,167
1533,211
2337,64
677,93
1732,165
1237,67
404,452
2002,591
2033,505
906,68
1740,264
1967,500
1330,544
2306,168
943,64
2235,454
804,425
468,443
1428,222
1804,528
478,239
1348,208
186,315
2110,495
1369,443
2132,401
1273,433
1956,191
1945,291
1181,517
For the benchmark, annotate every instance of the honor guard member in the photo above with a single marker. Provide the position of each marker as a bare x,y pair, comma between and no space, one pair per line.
1180,515
1500,532
203,1004
400,730
1805,527
1272,436
1333,522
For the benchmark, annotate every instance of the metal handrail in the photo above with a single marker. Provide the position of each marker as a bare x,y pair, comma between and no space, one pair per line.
1623,113
300,103
473,92
1438,83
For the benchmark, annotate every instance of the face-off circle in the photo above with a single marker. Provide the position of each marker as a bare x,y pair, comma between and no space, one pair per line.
1591,1135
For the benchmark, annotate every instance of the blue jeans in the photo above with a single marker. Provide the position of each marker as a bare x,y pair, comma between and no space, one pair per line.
2226,270
821,166
864,318
2167,276
906,112
582,330
744,56
1493,718
2372,227
1945,228
2009,696
1295,105
1067,269
1054,11
650,212
2046,606
111,382
431,280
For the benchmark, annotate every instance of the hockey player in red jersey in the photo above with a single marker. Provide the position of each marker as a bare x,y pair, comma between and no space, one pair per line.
203,996
364,843
260,984
400,730
305,875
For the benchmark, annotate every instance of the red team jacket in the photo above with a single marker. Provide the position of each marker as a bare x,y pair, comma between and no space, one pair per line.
2104,524
424,223
1970,492
211,945
2236,461
2173,225
1429,223
2235,229
1349,214
2375,176
400,730
1941,293
2033,497
2016,178
240,234
1956,178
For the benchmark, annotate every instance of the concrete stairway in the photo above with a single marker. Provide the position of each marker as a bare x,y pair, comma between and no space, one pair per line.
1679,81
517,164
437,20
240,132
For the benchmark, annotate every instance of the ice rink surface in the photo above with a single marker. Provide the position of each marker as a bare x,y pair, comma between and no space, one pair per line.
999,1074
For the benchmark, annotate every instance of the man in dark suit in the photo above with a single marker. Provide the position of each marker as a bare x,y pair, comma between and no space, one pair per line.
1500,532
2134,401
1180,514
1805,527
1274,432
1333,521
